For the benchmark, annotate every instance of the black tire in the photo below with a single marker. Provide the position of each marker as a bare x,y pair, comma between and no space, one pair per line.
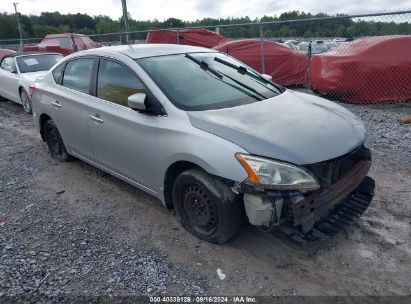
25,101
206,207
55,142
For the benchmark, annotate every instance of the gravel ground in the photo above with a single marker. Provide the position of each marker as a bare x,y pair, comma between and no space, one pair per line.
389,140
68,229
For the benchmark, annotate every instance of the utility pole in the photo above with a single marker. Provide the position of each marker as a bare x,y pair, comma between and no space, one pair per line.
125,17
19,26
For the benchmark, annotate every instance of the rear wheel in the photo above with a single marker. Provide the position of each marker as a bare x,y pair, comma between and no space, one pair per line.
55,142
25,101
206,207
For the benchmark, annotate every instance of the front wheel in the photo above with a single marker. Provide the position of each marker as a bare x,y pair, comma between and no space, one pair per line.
55,142
206,207
25,101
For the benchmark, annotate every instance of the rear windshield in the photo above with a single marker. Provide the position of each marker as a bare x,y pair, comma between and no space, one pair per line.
191,87
36,63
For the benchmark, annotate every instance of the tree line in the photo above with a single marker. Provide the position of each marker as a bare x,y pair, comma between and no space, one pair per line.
54,22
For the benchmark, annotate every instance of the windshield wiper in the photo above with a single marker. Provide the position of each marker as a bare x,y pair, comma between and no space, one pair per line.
243,85
240,89
205,66
243,70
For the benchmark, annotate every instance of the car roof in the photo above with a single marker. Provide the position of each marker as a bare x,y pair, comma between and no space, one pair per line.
137,51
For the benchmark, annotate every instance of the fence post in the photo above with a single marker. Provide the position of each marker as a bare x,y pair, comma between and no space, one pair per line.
309,66
178,36
262,49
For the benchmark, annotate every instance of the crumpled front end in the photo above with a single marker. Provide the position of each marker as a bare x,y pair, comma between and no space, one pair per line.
345,193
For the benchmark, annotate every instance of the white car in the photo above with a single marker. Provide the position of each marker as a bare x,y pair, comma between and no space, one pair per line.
19,70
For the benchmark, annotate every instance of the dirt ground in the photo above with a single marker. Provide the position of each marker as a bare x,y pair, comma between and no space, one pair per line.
372,257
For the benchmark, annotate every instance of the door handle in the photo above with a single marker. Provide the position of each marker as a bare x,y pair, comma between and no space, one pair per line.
97,119
56,104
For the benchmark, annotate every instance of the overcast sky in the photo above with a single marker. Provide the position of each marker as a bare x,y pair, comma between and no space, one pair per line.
198,9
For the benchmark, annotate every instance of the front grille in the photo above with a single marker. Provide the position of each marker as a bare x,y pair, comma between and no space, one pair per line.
317,205
344,214
331,171
338,178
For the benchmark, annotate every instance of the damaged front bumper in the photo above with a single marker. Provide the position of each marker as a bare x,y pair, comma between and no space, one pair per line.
317,215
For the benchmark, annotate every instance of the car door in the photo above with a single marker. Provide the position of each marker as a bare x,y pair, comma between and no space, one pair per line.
124,141
9,81
70,102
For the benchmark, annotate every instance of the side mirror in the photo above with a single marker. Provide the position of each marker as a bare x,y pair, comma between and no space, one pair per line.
267,77
144,103
137,102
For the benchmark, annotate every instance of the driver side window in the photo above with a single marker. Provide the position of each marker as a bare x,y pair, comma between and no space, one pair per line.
116,83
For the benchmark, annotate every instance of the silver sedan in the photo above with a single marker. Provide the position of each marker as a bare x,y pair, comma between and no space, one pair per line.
19,70
209,137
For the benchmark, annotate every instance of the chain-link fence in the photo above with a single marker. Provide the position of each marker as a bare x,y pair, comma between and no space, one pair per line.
361,58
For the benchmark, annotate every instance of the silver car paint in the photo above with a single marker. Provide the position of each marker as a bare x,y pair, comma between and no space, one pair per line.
139,148
124,140
135,147
148,50
293,127
70,112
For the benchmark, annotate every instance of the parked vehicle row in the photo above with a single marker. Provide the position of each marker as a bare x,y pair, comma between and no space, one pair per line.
194,37
367,70
210,137
340,68
286,66
65,44
317,46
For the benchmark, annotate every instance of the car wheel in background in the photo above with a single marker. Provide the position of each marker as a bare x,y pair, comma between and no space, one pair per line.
206,207
55,142
25,101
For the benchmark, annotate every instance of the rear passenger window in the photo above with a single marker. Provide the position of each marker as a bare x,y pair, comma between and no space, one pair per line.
77,75
57,73
116,83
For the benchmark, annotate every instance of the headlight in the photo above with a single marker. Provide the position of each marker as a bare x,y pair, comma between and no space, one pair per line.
276,175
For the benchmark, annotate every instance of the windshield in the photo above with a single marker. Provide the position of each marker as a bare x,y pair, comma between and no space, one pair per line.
200,81
36,63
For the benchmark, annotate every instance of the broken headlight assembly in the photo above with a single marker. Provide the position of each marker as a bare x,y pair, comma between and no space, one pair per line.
276,175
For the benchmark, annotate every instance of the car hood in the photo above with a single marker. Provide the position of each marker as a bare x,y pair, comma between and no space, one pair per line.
32,76
293,127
